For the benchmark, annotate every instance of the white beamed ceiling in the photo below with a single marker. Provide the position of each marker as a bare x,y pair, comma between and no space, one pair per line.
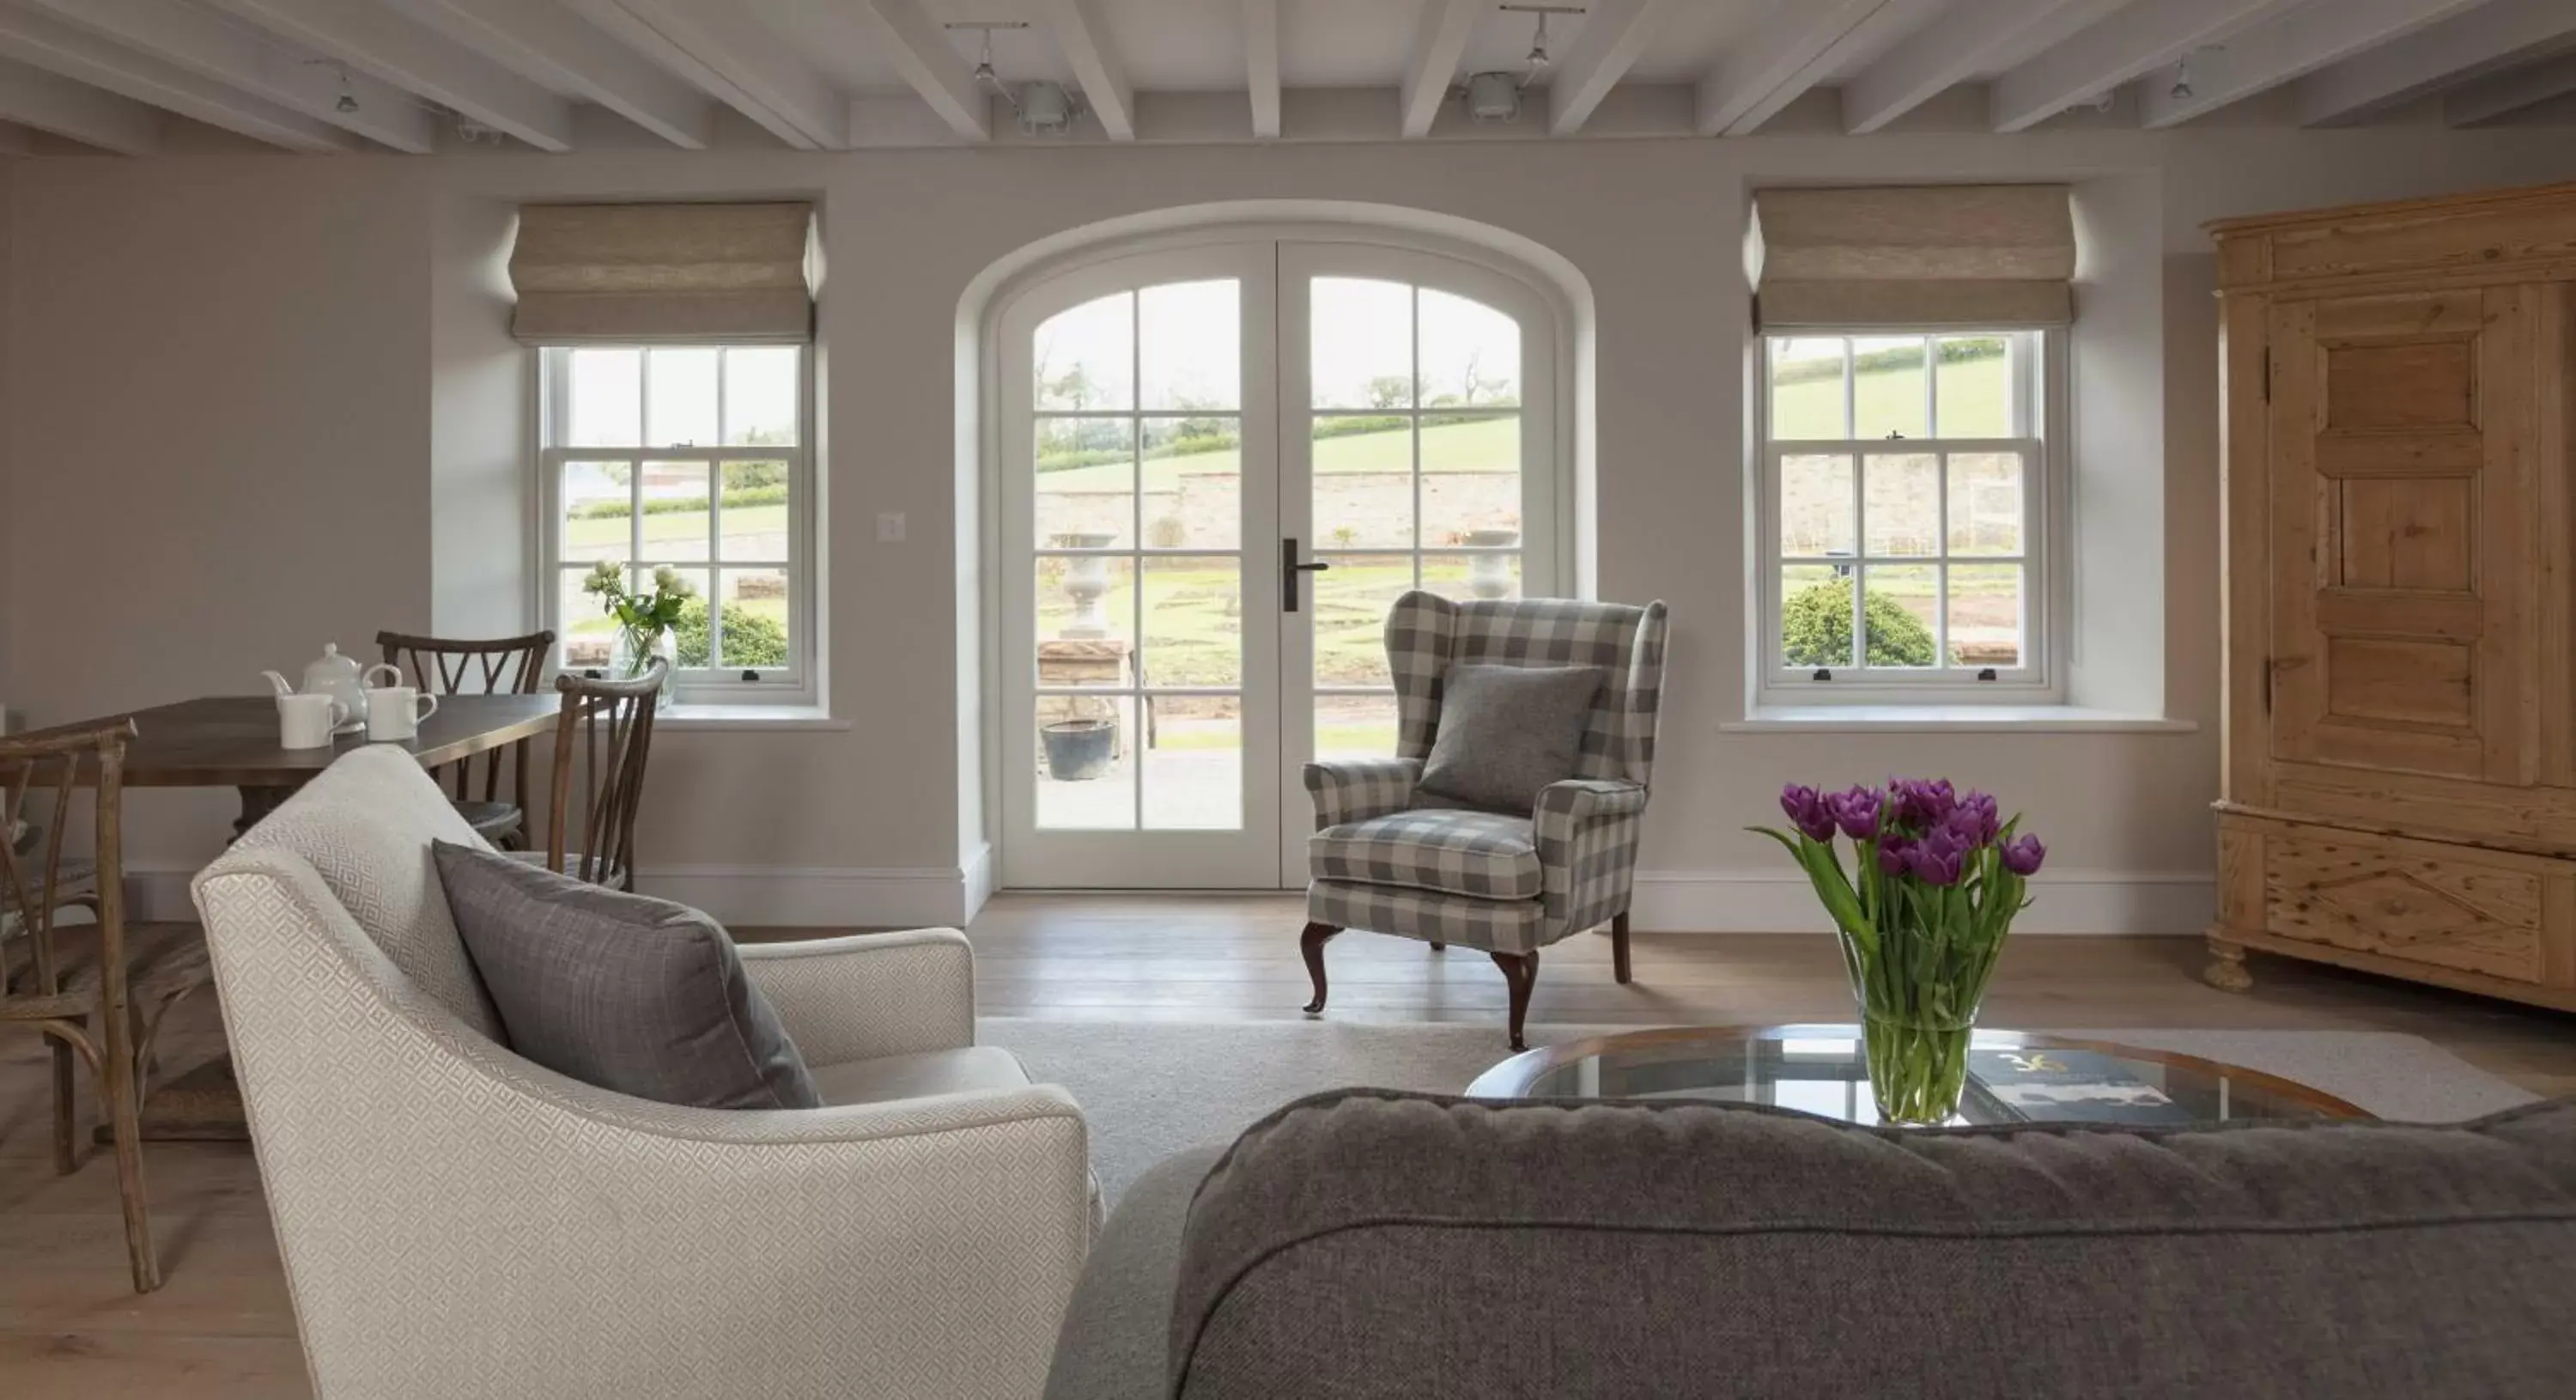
666,67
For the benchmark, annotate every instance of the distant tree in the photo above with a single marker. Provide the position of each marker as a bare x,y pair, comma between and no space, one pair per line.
1391,391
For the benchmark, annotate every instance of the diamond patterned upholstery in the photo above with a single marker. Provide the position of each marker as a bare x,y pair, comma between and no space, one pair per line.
458,1222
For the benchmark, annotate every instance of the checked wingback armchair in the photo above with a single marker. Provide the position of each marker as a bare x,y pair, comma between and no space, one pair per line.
1507,883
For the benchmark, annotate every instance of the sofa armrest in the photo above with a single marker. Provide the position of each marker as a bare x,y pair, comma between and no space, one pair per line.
869,995
1356,789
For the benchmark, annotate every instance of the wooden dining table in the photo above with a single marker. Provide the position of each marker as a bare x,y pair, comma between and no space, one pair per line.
231,741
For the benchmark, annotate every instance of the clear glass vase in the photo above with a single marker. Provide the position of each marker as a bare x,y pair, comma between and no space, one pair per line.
634,654
1918,1063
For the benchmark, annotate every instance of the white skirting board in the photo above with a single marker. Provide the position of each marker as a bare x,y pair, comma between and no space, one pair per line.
1714,901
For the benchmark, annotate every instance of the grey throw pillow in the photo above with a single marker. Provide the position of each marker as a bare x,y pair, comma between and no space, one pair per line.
1505,732
637,995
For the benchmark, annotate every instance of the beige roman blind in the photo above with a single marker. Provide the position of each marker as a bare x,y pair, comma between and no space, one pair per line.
1918,257
643,274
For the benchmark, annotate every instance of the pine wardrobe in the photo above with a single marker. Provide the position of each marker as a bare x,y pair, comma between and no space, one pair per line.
2399,784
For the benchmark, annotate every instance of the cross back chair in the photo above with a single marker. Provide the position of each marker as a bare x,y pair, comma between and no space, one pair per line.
1507,883
609,725
104,999
494,666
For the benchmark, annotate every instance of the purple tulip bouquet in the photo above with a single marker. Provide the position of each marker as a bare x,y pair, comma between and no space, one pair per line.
1936,879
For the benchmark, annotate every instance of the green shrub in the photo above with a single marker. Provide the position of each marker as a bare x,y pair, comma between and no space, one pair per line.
751,638
683,505
1816,629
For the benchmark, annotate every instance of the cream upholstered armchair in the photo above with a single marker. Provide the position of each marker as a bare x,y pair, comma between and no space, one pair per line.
1507,883
459,1222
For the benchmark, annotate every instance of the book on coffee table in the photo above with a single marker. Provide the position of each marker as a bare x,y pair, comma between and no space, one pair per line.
2066,1086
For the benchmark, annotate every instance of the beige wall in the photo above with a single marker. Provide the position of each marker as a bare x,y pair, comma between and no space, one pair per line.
249,372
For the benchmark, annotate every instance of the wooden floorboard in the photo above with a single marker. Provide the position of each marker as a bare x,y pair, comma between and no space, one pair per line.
223,1328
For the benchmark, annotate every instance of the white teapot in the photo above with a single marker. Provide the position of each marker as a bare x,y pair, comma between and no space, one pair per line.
339,677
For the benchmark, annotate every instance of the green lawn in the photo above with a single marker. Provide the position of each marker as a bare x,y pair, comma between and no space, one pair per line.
1974,403
610,531
1486,445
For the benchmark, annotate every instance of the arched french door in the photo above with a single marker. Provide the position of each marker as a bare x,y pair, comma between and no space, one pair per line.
1220,463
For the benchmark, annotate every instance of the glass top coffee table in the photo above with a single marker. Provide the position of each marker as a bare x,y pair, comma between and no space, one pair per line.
1820,1069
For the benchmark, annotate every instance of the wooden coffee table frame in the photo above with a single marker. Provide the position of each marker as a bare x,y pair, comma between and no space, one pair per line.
1516,1077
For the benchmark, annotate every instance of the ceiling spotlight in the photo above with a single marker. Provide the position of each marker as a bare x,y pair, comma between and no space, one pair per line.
2181,90
984,75
347,101
1536,64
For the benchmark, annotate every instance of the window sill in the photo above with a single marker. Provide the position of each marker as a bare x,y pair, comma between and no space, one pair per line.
752,719
1949,719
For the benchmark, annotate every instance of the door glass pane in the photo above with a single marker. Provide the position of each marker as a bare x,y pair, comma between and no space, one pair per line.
1362,344
1901,502
1471,479
1815,615
676,521
607,397
1086,755
1085,358
1816,506
1350,602
1985,503
1191,346
1363,480
753,526
1086,620
1903,614
1193,762
680,397
598,511
1986,615
1466,576
755,620
1887,387
1193,620
761,390
1193,482
1471,354
1807,389
1975,386
1355,726
1086,482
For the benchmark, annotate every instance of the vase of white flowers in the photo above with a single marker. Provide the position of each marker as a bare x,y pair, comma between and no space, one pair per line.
644,621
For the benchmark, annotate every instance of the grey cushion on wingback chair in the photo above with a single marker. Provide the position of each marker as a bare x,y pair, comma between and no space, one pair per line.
1508,883
1368,1244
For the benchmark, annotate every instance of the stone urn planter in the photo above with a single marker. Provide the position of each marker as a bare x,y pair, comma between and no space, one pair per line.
1086,581
1490,575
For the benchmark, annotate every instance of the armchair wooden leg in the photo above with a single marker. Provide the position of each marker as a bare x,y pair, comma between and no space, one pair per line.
1619,947
1311,945
1440,947
1520,974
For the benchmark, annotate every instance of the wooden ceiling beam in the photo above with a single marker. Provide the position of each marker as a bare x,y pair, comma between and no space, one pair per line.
559,50
2138,39
399,50
2489,39
1084,38
41,41
208,44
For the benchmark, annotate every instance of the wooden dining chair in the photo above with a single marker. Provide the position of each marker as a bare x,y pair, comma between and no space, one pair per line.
496,666
101,998
608,725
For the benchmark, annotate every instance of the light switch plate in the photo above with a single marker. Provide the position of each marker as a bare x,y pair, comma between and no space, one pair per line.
889,527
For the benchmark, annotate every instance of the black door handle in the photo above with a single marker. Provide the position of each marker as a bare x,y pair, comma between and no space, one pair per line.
1289,569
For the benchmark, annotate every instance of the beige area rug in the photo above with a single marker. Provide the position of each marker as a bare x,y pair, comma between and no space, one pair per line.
1151,1088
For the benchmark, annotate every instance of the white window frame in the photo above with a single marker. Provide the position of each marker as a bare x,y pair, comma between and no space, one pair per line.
2038,371
795,685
